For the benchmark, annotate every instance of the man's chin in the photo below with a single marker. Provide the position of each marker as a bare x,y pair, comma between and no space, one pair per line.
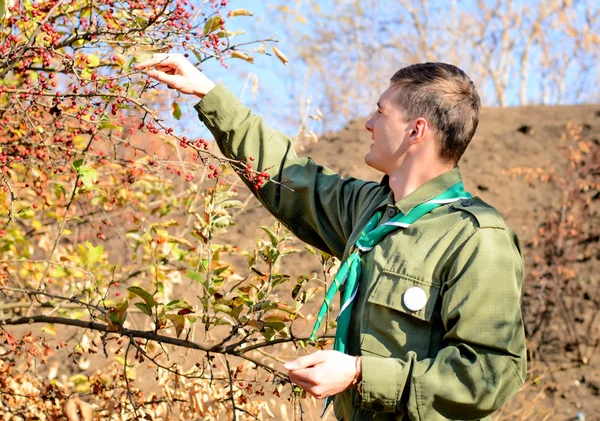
369,161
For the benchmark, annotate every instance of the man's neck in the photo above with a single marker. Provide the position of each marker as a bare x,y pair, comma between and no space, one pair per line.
411,175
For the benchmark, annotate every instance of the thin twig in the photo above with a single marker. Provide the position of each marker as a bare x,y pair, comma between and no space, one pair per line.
234,408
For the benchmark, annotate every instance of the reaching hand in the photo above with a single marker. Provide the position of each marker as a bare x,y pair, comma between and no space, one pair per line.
324,373
177,72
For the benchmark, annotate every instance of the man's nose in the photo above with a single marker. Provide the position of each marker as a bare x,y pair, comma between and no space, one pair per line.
369,125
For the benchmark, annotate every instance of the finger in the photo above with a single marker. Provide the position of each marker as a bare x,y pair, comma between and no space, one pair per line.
70,410
167,69
159,58
86,410
170,80
304,375
306,361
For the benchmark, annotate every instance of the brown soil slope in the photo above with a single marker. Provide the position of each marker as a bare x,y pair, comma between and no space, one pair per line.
506,138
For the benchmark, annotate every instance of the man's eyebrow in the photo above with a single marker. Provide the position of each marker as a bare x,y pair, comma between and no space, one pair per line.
379,105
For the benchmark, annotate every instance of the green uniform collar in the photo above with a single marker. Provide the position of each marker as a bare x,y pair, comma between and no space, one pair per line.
427,191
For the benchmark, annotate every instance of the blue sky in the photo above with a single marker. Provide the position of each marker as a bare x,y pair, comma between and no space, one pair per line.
276,82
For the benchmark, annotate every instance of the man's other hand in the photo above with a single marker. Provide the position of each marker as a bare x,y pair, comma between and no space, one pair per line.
324,373
177,72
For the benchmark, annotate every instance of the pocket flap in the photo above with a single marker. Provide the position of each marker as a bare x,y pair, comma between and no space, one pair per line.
390,291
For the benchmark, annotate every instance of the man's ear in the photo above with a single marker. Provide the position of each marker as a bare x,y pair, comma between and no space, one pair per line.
418,130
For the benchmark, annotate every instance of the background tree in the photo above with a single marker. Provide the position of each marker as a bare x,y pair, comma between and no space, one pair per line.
518,53
110,220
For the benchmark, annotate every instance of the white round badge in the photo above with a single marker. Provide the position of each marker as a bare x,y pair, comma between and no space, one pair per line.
415,299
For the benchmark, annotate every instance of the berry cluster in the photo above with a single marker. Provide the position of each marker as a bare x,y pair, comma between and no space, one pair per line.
258,179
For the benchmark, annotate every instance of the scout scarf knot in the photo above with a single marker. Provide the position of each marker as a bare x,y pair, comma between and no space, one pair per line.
349,272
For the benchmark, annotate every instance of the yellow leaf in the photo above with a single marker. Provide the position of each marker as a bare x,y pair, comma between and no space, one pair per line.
49,329
243,56
240,12
262,49
280,55
179,240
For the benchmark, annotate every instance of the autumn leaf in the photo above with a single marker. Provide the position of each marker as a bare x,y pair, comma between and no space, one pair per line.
178,322
280,55
243,56
239,12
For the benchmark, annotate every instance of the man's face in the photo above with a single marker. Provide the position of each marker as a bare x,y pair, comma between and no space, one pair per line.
389,132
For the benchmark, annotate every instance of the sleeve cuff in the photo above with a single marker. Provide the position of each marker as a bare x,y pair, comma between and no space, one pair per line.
382,382
218,104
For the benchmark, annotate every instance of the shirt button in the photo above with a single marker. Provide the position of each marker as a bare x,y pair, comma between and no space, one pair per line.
392,212
377,406
415,299
467,202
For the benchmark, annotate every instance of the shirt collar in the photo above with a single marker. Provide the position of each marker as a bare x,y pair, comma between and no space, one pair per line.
427,191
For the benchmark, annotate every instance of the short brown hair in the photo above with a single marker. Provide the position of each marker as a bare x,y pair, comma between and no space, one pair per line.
445,96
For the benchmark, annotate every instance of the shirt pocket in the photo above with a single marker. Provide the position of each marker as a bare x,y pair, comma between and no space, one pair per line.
393,329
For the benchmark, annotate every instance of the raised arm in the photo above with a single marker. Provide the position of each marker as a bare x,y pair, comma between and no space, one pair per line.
317,205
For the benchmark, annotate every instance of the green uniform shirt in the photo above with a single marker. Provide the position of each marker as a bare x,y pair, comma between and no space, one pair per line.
463,354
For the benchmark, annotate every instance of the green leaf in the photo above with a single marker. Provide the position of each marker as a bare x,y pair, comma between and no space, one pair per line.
221,221
177,304
145,295
93,253
79,379
223,321
212,24
87,175
145,308
176,110
310,250
119,314
231,204
94,60
230,34
195,276
222,307
296,291
276,325
77,164
3,9
272,236
86,74
107,125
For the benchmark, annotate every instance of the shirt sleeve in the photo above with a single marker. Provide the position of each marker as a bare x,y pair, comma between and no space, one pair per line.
317,205
483,362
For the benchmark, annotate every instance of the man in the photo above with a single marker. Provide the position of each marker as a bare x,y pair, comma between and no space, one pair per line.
433,326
